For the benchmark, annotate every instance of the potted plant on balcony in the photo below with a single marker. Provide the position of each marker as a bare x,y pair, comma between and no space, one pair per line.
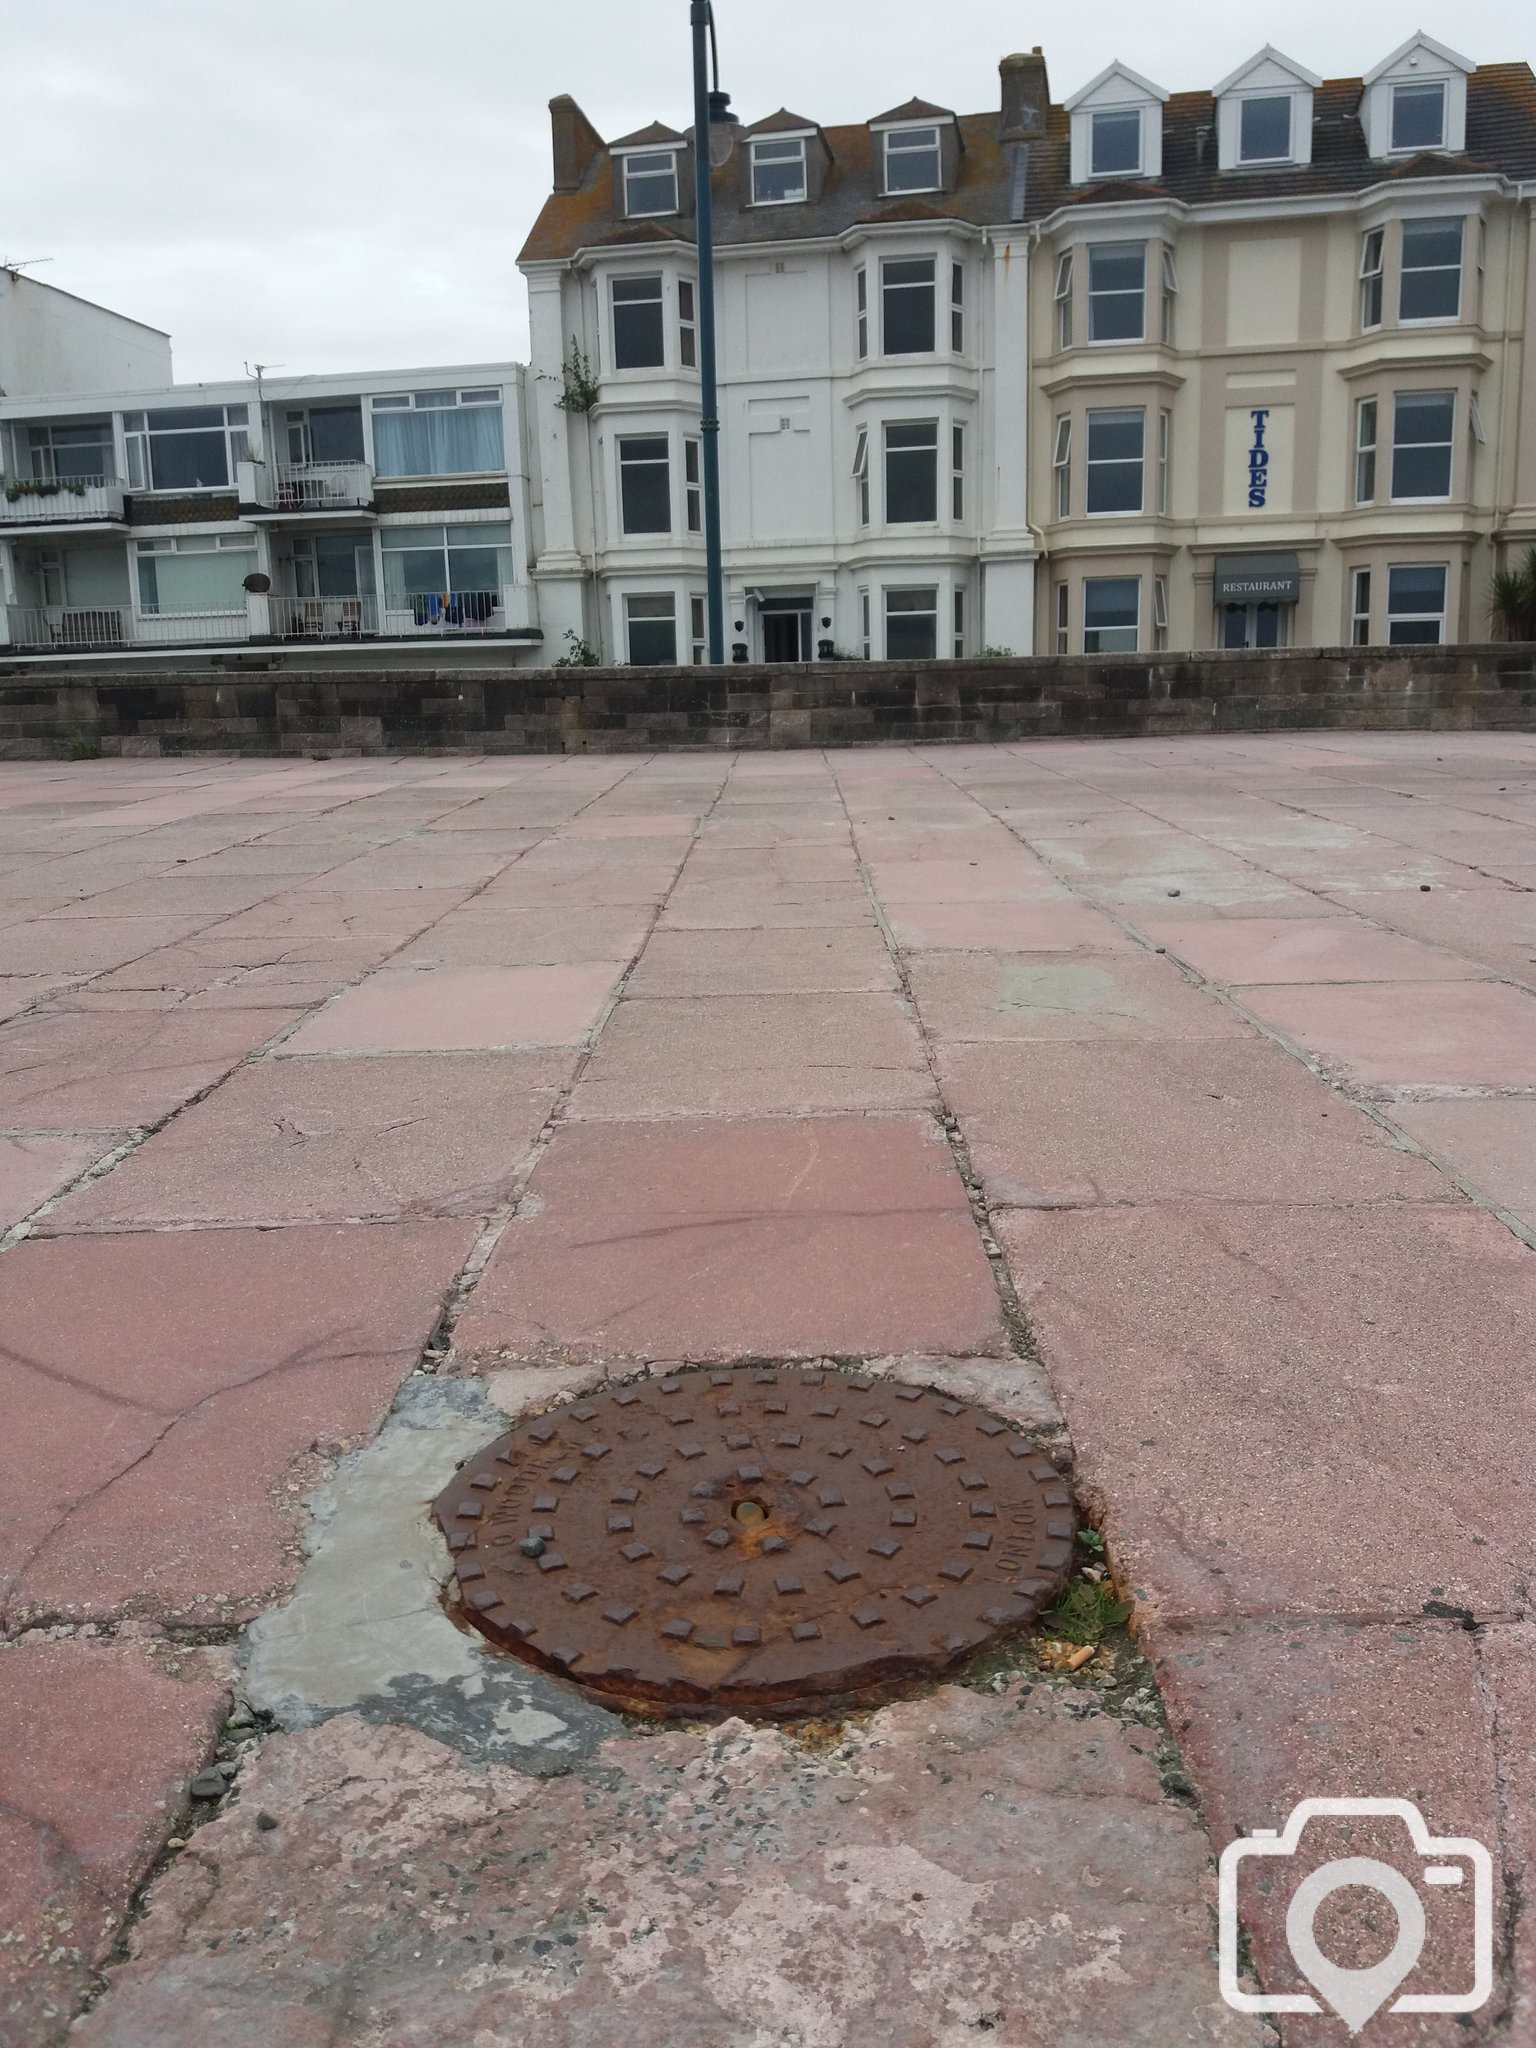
42,487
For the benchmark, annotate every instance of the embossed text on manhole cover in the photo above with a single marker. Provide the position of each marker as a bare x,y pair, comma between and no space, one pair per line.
781,1541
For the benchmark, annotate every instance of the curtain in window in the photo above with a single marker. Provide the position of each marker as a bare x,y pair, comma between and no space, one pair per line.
438,441
195,582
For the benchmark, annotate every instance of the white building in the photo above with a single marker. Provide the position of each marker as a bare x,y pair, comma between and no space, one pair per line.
870,281
52,341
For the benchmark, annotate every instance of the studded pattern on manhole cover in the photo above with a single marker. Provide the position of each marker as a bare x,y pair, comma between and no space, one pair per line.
783,1541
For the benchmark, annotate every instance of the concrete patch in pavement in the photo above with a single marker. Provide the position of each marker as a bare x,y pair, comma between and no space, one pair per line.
365,1632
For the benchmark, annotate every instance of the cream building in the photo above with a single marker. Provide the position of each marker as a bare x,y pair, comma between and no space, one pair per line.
1281,388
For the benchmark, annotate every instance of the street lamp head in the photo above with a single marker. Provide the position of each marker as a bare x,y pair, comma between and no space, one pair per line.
723,125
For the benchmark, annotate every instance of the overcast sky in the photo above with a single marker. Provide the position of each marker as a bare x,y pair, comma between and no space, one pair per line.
344,184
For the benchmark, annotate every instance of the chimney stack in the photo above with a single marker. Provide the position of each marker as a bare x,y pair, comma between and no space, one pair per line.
576,142
1026,98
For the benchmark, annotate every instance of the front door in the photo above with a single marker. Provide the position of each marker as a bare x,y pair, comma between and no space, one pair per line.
1255,625
786,631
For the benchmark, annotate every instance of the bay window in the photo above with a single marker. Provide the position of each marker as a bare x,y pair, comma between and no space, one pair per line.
438,433
912,624
1061,465
650,627
1429,286
1117,291
1116,454
907,306
1365,451
639,335
912,473
1371,250
1416,605
645,485
1423,425
1111,614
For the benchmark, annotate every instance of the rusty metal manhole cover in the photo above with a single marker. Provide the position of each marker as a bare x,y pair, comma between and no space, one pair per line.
772,1540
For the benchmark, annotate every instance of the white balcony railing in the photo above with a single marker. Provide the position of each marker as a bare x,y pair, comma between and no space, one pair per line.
308,486
51,628
323,618
449,614
60,501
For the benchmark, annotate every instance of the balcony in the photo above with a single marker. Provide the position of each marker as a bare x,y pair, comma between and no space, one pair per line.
304,490
70,629
324,618
60,504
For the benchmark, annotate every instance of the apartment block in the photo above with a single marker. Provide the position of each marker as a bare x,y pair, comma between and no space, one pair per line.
333,512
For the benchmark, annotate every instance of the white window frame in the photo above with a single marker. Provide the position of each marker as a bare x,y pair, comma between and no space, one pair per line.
1373,255
1449,444
633,159
1119,412
912,612
861,313
1164,442
1117,113
1061,465
1248,99
887,263
687,323
910,448
958,640
633,598
138,435
1418,85
633,278
693,487
957,308
866,623
1360,607
861,473
1420,618
957,471
623,462
1422,269
789,149
1170,293
905,141
698,634
1117,292
1159,613
1064,299
1134,630
1367,449
1063,618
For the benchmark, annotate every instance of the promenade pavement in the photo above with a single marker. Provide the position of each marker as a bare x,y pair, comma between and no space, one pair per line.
1176,1098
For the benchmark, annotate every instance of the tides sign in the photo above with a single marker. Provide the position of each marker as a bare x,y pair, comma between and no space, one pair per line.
1258,462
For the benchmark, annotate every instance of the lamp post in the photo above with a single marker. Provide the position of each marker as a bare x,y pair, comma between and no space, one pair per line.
708,107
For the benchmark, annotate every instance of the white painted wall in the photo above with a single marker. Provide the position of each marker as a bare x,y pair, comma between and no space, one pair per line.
53,343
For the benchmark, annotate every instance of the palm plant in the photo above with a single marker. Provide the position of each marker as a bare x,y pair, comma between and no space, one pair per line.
1512,597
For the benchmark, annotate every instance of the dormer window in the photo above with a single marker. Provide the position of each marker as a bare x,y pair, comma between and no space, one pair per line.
1264,130
912,160
1116,142
650,183
1264,113
1418,116
778,171
1117,127
1416,100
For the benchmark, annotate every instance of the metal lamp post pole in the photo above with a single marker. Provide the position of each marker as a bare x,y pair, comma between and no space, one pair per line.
703,23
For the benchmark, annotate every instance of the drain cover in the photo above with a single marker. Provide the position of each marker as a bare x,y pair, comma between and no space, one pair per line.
782,1541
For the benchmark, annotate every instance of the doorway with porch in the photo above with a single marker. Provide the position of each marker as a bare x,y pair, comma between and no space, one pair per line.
785,623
